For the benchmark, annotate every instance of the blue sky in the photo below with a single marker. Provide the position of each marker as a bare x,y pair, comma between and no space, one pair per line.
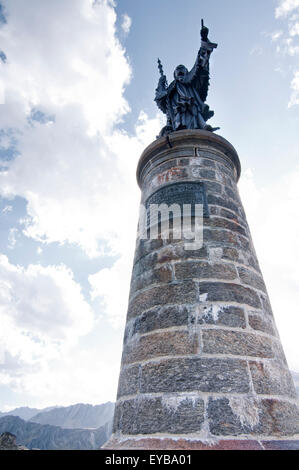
77,81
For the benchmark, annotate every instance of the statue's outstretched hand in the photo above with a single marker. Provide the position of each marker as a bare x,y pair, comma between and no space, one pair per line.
204,33
204,36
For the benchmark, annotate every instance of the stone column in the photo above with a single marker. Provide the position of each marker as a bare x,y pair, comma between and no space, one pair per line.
202,364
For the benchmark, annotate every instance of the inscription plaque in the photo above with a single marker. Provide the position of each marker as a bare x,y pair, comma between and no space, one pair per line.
179,193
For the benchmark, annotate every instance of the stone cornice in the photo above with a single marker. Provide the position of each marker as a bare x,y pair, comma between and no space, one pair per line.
189,137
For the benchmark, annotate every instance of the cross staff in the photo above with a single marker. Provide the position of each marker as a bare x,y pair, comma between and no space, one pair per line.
168,106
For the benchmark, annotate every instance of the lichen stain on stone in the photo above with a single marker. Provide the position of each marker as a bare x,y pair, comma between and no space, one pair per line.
215,254
246,409
203,297
195,171
193,321
195,160
174,402
212,311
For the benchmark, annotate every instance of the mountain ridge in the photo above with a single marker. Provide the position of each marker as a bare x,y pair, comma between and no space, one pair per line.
80,415
47,437
25,412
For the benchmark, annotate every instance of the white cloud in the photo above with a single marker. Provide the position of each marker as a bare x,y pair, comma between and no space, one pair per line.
12,238
276,35
43,313
112,286
294,29
76,172
43,316
44,300
64,53
79,188
256,50
5,142
126,23
268,211
295,90
289,45
7,209
81,376
285,7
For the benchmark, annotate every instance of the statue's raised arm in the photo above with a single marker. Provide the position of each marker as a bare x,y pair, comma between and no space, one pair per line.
183,101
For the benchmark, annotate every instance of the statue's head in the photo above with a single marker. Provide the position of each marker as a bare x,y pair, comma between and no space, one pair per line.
180,73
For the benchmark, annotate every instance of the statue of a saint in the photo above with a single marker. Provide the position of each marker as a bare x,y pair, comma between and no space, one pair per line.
183,101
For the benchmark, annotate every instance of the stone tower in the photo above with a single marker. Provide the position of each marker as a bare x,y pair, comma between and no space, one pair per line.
202,364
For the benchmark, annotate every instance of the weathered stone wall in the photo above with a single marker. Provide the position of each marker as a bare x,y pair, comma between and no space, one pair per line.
201,357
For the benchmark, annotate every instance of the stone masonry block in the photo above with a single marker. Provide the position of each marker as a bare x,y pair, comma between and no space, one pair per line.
206,162
231,254
233,415
173,252
279,418
266,305
149,415
172,414
252,279
270,378
172,293
202,270
166,343
232,193
231,216
128,381
155,276
222,202
228,292
239,415
144,247
261,322
217,314
219,237
146,263
236,343
125,417
213,188
217,222
225,170
190,374
158,318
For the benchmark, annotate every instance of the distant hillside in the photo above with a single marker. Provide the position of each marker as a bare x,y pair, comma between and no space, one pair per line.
46,437
24,412
77,416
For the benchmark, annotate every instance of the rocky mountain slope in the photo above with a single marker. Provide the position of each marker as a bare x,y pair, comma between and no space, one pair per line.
47,437
24,412
77,416
8,442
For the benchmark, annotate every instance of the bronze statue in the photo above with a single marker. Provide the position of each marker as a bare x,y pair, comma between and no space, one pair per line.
183,101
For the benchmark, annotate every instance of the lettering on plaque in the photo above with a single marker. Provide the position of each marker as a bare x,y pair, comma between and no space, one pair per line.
190,193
